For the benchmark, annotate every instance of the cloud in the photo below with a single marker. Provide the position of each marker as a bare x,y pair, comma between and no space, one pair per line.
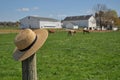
50,15
27,9
23,9
35,8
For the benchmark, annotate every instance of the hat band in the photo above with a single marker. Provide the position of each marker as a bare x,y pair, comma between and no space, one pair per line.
27,48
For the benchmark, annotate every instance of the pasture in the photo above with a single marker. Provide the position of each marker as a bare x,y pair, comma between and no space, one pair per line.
94,56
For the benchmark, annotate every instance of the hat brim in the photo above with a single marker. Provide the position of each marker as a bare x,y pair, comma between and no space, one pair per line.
41,38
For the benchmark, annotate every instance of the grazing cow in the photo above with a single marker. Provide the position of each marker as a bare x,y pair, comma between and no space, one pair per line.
86,31
51,31
71,32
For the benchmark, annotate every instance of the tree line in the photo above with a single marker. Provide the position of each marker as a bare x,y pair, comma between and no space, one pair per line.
9,24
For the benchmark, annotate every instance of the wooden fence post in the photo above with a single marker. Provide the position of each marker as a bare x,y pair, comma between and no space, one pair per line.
29,70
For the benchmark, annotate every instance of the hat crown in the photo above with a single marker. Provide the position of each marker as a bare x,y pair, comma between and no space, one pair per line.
24,39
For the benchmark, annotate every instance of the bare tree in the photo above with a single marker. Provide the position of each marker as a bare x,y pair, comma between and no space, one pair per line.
100,10
100,7
104,16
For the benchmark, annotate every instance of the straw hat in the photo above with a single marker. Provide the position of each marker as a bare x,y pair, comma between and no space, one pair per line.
28,42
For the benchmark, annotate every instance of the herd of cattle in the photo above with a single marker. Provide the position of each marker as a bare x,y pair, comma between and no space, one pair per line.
70,32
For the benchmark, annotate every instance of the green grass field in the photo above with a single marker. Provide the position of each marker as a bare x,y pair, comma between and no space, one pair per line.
94,56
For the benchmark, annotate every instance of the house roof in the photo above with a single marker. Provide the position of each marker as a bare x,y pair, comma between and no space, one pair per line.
85,17
43,18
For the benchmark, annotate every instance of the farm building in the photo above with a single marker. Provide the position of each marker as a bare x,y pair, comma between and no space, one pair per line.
71,25
39,22
87,21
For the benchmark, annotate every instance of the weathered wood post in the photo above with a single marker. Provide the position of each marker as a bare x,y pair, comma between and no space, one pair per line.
29,69
27,43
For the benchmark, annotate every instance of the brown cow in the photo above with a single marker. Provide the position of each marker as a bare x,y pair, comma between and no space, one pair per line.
71,32
51,31
86,31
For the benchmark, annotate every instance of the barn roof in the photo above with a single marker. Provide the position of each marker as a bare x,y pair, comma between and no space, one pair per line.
86,17
43,18
73,23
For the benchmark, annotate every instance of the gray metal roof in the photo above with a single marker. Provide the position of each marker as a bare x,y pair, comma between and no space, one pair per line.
43,18
86,17
73,23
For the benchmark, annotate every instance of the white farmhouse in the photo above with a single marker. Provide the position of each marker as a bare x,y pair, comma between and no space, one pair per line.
39,22
87,21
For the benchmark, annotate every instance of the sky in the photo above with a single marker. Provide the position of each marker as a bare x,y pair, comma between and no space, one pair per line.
14,10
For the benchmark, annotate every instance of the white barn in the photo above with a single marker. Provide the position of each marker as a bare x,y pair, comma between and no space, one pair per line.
87,21
39,22
71,26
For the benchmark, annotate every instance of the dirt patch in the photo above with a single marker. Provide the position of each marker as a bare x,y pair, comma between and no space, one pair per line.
2,31
100,30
